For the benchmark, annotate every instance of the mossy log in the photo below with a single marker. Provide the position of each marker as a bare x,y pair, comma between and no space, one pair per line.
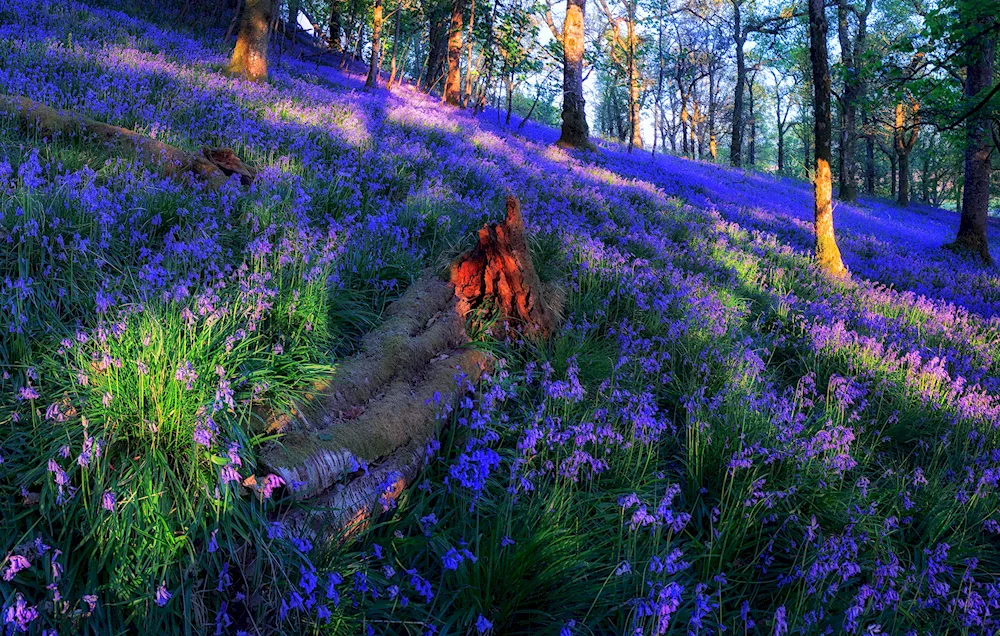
212,166
360,437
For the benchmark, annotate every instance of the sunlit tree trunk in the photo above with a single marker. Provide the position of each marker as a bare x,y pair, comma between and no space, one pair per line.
250,55
374,62
575,132
978,145
453,84
904,139
827,252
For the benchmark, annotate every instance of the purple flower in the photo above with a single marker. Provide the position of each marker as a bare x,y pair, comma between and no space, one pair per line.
27,393
108,500
780,626
483,625
162,595
229,474
15,563
185,373
19,615
269,484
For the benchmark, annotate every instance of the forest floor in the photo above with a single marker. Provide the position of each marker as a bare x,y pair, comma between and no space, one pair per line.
716,438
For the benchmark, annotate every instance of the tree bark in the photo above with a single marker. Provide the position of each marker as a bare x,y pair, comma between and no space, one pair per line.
575,132
854,89
467,100
978,146
739,38
374,62
453,84
499,271
827,252
438,37
395,45
249,59
870,165
335,26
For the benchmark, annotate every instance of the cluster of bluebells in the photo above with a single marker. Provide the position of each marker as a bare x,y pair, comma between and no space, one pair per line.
706,294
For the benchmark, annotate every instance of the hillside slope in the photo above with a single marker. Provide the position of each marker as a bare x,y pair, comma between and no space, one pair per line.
717,437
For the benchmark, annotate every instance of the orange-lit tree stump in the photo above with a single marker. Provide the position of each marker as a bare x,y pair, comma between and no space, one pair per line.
498,272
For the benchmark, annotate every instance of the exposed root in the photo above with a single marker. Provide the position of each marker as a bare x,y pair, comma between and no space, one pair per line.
213,167
970,244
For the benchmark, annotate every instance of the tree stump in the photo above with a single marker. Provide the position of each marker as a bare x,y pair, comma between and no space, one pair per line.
498,271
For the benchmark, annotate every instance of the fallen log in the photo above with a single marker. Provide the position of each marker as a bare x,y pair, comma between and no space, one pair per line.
212,167
360,437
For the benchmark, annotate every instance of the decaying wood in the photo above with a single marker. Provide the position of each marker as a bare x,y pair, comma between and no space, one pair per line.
499,271
213,167
379,409
360,437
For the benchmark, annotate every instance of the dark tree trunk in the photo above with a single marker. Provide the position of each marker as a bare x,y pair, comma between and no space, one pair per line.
870,165
903,188
453,85
335,26
438,48
575,132
375,62
852,54
250,55
827,252
978,145
736,148
395,45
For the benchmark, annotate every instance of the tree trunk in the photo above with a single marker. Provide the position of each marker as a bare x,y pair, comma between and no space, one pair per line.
978,147
335,26
575,132
453,85
827,252
374,62
713,147
893,163
249,59
467,101
395,45
736,148
438,36
753,129
903,189
293,17
852,55
870,165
